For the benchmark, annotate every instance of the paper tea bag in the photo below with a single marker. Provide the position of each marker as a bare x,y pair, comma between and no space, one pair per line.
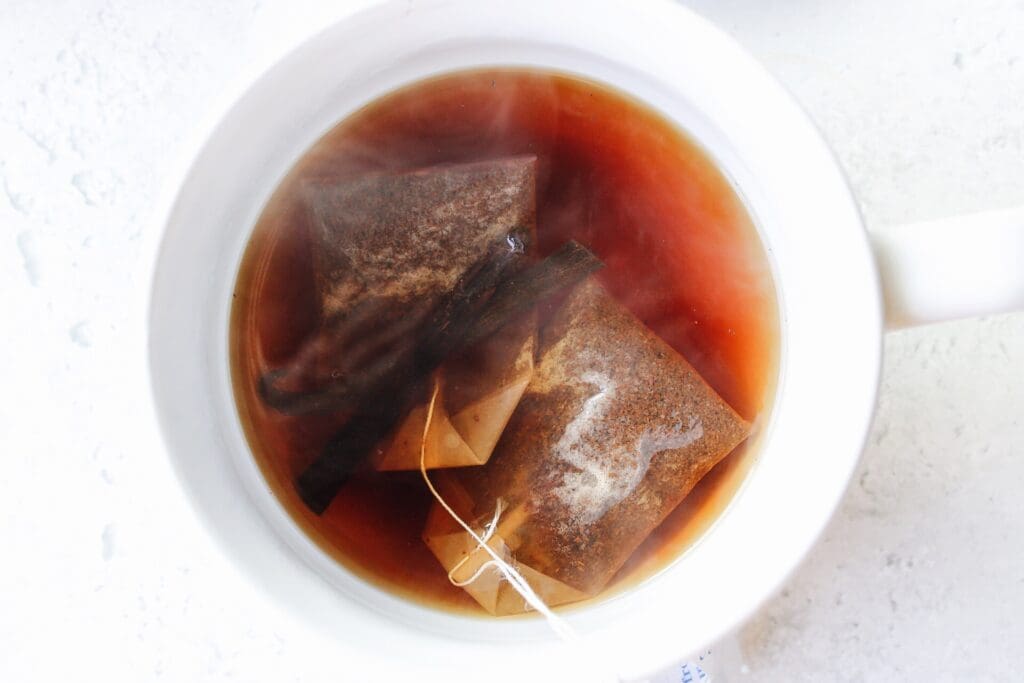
399,242
613,431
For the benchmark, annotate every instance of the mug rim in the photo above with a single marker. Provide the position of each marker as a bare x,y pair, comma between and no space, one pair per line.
641,659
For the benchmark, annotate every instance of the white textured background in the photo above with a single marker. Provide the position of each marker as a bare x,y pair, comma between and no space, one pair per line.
104,572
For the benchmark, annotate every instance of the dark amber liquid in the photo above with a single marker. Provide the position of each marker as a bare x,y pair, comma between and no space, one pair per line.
680,251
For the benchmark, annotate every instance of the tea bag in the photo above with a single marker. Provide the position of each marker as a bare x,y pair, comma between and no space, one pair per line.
613,431
395,244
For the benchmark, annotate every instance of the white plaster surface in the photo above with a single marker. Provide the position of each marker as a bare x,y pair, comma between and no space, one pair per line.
105,573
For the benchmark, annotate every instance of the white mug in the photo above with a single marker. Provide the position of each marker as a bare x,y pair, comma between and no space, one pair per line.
824,266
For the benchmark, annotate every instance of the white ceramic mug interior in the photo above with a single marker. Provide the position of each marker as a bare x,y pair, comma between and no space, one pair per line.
829,301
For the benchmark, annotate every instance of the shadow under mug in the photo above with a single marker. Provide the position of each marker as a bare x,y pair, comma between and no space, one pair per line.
822,260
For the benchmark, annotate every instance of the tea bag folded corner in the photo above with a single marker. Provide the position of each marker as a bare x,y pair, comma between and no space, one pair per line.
613,431
478,392
471,567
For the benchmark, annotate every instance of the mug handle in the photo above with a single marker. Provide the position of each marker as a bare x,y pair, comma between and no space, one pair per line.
952,268
931,271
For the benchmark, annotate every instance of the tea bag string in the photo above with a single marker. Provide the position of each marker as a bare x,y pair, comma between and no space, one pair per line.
489,530
511,574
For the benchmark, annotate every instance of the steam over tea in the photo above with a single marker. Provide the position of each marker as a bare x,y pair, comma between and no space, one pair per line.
504,339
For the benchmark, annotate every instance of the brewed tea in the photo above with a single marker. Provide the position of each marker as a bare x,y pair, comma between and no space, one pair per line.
433,247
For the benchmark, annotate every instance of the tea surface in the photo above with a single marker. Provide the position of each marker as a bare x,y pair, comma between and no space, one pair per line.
680,249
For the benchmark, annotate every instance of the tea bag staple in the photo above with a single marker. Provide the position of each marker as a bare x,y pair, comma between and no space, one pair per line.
402,241
613,431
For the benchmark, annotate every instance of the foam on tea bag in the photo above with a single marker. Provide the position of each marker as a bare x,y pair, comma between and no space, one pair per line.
405,240
614,429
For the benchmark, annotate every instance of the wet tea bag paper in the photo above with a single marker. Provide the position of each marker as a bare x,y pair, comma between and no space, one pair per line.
404,240
612,432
